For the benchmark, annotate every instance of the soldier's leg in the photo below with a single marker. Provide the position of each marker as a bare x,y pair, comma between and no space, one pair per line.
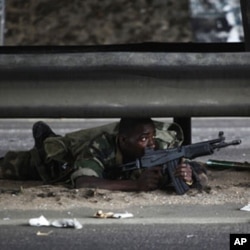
53,166
26,165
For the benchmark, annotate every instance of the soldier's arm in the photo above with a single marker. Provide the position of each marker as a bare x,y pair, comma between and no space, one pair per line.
149,180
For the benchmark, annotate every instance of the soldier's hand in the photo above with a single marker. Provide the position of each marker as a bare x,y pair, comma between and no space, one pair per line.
149,179
184,171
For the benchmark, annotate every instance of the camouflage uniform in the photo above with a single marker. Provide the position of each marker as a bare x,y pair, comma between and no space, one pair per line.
85,152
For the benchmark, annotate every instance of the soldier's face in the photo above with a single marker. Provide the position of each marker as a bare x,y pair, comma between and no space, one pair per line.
134,144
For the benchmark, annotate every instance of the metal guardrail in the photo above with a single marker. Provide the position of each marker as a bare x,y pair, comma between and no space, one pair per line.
105,83
115,84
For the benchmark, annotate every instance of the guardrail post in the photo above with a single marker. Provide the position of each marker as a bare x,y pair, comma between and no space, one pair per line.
185,123
245,11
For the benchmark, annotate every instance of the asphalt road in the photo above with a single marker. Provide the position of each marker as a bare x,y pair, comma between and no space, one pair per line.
144,237
157,227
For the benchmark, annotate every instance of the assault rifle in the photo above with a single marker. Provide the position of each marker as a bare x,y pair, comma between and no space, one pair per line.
170,158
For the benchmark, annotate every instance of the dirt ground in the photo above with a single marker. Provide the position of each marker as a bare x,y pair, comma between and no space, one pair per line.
225,186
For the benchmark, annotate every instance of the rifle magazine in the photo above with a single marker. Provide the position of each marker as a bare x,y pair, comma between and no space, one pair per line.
180,186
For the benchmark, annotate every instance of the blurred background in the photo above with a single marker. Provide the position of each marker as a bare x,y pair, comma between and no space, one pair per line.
96,22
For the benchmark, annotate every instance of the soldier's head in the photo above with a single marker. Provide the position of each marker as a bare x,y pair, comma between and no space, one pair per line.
135,134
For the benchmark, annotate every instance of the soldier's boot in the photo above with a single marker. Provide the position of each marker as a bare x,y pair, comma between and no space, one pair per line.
41,131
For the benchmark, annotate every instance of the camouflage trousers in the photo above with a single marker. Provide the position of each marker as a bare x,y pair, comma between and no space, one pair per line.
28,165
56,161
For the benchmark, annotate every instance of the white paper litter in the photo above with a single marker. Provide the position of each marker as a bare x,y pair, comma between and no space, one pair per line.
39,222
246,208
73,223
42,221
122,215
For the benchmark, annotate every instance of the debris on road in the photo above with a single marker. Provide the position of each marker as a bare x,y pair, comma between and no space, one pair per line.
62,223
72,223
39,222
39,233
246,208
101,214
